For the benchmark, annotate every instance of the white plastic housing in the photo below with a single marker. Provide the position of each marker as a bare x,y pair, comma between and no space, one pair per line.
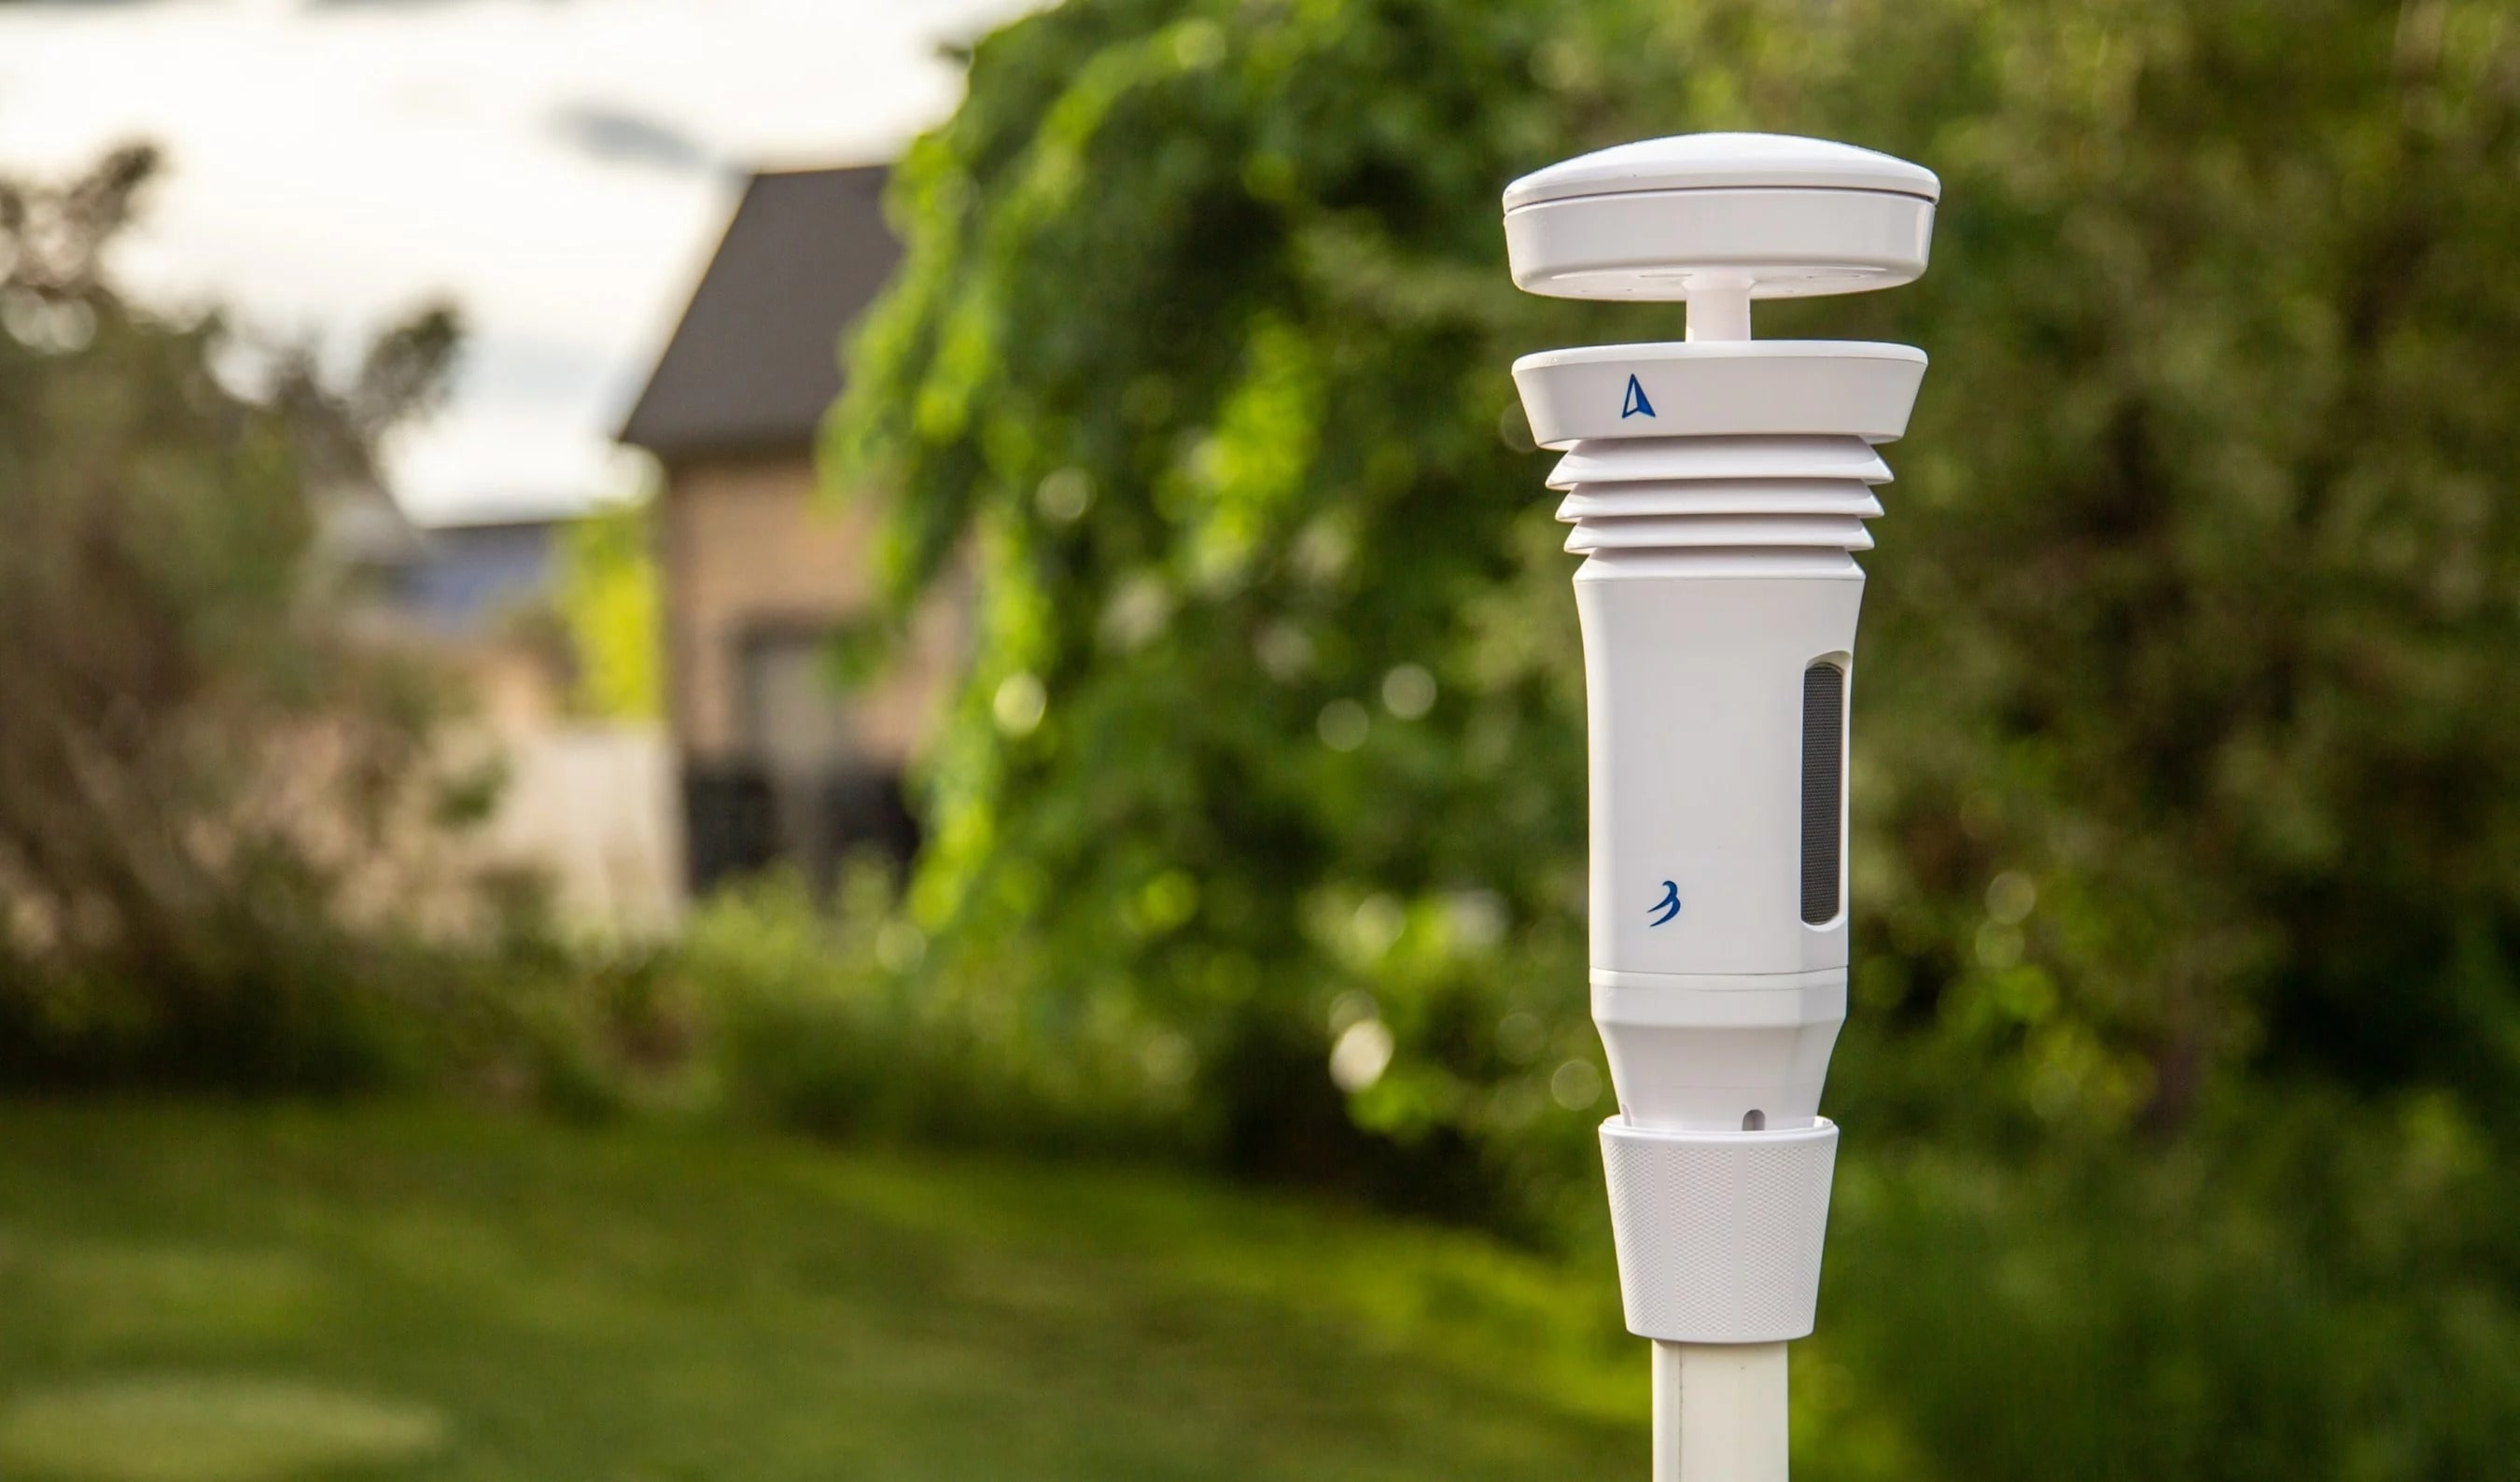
1737,216
1719,576
1711,387
1717,489
1781,244
1727,1223
1696,700
1720,1014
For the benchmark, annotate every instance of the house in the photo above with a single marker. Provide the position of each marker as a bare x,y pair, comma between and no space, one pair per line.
776,762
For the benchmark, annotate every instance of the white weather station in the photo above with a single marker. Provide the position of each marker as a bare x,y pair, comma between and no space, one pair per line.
1717,489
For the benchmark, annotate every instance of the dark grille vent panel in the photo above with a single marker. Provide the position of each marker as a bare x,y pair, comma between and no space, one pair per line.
1824,787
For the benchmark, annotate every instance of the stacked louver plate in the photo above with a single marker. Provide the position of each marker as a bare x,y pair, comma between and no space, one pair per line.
1684,493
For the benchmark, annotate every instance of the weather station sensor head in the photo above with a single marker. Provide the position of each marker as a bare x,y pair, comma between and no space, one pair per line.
1718,220
1717,489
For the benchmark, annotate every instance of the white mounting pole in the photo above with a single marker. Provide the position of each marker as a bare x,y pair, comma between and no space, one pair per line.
1735,1396
1717,489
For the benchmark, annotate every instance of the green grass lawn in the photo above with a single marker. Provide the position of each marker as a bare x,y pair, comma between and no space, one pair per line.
189,1294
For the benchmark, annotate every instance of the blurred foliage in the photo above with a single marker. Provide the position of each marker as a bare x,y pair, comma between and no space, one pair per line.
2185,1049
202,761
818,1018
608,600
2312,1284
2315,1287
778,1006
2181,1065
2189,747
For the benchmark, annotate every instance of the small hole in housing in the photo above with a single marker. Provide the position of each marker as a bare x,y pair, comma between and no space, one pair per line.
1754,1120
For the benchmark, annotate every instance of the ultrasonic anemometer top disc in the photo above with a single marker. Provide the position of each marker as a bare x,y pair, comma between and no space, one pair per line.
1723,218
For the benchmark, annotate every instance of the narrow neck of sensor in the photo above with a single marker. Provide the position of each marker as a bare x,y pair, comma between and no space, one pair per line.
1719,307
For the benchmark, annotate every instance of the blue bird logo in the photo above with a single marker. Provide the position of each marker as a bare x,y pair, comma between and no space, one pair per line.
1669,905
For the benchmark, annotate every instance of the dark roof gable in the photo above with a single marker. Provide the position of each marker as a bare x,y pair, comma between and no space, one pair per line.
755,361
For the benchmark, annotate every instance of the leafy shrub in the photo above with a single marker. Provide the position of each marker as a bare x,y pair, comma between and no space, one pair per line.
205,771
2308,1284
821,1021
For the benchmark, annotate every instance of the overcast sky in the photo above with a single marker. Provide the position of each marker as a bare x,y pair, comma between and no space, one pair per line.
559,168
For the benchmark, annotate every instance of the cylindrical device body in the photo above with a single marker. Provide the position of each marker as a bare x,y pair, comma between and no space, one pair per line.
1718,600
1719,603
1715,681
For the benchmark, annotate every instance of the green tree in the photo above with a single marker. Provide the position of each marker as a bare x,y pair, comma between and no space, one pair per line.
1195,340
2185,740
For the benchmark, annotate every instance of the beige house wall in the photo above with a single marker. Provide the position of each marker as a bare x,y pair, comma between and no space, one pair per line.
750,546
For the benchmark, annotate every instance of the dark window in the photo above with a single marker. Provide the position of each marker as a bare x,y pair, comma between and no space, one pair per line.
740,820
1824,787
730,824
798,793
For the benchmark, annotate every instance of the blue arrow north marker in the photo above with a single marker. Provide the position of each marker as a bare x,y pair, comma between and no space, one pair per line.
1636,404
